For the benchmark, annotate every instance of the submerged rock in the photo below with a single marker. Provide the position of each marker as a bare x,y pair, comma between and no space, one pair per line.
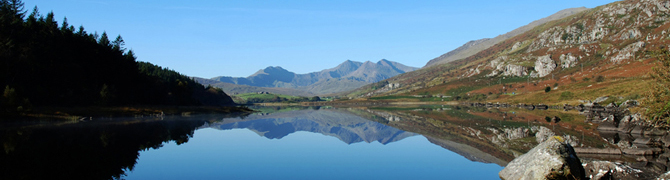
552,159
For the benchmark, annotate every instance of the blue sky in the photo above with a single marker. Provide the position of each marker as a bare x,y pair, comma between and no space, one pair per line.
209,38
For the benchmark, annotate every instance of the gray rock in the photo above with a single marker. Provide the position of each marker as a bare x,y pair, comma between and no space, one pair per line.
666,140
544,65
601,99
597,170
664,176
629,103
552,159
629,51
626,125
568,60
643,141
543,133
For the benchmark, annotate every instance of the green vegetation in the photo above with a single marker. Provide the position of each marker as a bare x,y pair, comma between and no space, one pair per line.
566,95
45,64
658,100
547,89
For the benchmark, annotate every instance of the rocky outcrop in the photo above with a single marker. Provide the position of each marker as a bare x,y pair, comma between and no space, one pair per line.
544,65
568,60
628,52
552,159
502,66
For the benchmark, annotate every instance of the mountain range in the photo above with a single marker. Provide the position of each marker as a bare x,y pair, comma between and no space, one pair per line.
603,51
347,76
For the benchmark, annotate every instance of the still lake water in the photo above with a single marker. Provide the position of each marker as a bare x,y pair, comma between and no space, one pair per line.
278,143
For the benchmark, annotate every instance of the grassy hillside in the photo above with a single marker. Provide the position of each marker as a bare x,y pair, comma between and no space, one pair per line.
600,52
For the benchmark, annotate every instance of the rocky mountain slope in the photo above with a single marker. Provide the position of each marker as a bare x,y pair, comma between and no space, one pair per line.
472,47
598,52
346,76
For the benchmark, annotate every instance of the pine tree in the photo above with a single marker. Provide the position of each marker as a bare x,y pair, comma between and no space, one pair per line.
104,40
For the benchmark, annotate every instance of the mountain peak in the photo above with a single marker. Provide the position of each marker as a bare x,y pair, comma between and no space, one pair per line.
346,76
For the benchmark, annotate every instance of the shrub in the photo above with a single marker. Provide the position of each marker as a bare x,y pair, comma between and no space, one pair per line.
547,89
658,99
600,79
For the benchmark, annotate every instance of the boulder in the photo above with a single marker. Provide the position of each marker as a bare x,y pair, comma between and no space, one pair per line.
544,65
552,159
628,103
643,141
542,133
664,175
597,170
665,140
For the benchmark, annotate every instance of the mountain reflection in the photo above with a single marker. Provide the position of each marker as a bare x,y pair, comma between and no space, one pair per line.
107,149
347,127
101,149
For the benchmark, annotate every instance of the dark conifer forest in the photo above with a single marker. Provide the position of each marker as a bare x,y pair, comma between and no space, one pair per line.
47,63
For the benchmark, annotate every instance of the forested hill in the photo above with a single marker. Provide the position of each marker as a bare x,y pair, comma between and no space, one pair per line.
46,63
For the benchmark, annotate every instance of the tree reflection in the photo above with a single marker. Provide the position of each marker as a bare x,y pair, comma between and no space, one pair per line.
86,150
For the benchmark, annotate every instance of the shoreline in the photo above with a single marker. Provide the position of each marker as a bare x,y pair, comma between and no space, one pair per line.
79,113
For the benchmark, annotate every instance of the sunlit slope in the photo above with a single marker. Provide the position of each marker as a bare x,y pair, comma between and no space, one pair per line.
598,52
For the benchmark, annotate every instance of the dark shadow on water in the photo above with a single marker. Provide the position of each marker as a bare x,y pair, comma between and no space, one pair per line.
102,149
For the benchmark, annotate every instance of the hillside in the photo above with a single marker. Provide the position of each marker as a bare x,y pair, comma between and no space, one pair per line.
475,46
598,52
346,76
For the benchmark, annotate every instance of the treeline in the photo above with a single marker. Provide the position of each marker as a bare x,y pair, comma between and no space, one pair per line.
47,64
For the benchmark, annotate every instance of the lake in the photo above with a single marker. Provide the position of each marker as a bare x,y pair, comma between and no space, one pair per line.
433,142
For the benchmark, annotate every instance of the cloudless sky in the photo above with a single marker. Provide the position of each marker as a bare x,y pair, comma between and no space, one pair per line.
208,38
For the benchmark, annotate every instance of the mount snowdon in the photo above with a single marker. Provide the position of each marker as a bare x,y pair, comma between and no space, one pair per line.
347,76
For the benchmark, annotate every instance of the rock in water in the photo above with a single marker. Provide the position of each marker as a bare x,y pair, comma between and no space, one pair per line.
552,159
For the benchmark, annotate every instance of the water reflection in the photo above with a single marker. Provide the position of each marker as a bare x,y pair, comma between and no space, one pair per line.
110,148
94,150
347,127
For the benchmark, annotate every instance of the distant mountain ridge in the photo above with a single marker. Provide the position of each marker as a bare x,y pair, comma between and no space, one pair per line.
473,47
344,77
